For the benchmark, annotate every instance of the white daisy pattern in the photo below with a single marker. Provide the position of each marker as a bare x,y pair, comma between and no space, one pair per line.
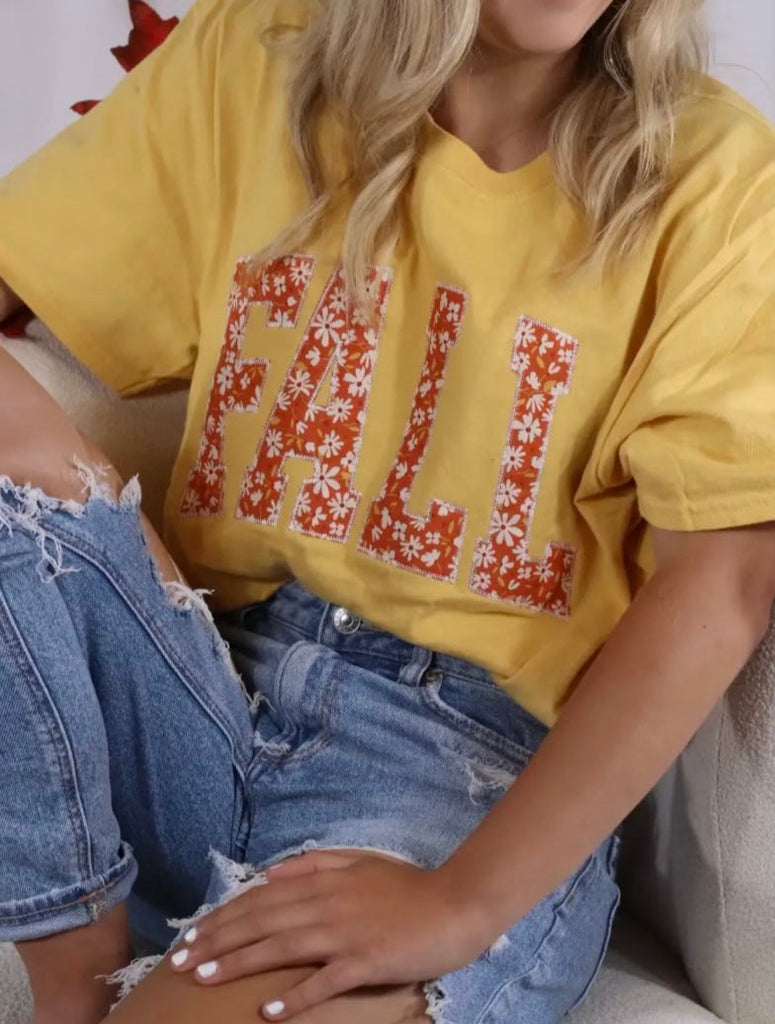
339,341
238,382
544,358
428,545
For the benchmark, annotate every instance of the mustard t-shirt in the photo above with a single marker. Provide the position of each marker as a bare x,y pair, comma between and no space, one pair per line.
476,472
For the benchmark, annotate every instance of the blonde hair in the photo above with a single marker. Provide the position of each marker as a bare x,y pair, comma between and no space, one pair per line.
379,66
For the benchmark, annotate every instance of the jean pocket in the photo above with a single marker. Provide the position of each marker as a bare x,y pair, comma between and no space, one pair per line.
300,701
482,711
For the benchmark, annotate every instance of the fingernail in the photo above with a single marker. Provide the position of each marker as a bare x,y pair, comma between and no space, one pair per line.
273,1009
207,970
180,957
190,935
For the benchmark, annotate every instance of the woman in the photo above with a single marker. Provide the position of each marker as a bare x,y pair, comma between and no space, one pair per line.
479,474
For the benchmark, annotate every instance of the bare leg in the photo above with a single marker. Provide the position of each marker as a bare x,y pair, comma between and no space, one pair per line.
62,969
168,998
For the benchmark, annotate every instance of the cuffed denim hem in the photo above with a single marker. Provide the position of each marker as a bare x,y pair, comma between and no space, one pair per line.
74,907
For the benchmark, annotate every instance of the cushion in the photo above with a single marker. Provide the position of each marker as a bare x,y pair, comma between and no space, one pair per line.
640,982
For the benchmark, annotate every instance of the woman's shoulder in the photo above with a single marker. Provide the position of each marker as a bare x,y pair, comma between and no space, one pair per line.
250,15
719,211
723,180
720,135
237,36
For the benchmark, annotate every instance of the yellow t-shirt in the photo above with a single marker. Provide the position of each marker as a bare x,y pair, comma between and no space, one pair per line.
476,474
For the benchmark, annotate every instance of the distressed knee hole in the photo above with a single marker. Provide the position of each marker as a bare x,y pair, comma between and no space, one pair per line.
26,507
100,483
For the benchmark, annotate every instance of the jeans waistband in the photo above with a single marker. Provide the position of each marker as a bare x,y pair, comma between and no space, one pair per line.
337,627
315,619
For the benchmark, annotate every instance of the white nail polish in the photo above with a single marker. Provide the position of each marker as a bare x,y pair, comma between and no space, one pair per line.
275,1008
207,970
180,957
190,935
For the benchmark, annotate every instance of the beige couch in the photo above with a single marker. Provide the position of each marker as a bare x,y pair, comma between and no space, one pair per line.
695,939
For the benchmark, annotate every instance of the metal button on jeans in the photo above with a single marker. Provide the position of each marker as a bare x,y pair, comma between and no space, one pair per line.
345,622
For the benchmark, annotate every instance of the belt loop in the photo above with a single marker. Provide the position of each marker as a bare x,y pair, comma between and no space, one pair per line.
323,620
413,671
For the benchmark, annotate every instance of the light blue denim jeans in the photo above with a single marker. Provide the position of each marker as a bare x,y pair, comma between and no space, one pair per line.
146,755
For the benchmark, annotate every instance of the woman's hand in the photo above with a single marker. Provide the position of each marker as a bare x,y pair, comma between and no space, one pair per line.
366,921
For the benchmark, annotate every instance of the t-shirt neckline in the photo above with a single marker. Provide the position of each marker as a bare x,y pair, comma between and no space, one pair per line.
456,156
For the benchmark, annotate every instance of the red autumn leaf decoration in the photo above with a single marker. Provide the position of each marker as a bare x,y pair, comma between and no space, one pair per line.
84,106
149,31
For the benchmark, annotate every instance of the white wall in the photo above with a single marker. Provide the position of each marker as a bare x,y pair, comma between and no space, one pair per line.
744,45
56,52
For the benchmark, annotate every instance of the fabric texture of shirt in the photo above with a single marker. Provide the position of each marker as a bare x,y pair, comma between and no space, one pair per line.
477,470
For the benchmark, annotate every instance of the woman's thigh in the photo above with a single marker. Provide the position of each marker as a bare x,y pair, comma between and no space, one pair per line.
168,998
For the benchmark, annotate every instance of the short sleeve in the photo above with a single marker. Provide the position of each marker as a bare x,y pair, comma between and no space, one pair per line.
697,431
103,232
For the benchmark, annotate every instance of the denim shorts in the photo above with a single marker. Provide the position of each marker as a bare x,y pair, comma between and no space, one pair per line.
152,754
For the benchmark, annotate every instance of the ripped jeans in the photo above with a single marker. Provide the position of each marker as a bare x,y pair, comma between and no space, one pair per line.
151,754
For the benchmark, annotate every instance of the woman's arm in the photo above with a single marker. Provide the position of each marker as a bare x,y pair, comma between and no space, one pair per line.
678,648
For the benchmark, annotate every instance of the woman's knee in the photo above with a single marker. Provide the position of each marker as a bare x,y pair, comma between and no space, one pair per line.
53,465
77,471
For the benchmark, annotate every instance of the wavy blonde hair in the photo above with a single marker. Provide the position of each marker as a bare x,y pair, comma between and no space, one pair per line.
380,66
